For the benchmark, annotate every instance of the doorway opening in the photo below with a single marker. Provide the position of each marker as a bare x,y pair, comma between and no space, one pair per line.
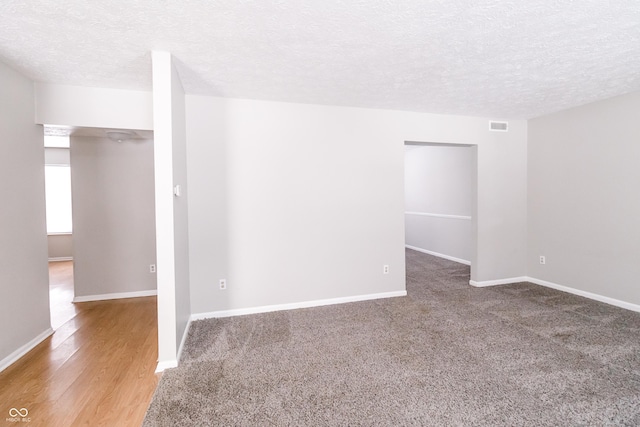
107,250
59,225
440,183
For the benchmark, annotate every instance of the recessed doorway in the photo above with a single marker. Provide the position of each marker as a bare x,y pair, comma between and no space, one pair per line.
440,188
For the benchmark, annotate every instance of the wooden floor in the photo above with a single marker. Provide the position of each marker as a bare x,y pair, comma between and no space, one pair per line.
61,293
96,369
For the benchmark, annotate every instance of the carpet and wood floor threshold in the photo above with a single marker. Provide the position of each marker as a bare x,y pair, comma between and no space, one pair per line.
447,354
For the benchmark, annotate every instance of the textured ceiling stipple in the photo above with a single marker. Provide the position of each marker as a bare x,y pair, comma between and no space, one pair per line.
491,58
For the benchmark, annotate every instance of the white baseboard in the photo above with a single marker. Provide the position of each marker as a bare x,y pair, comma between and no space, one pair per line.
161,366
118,295
295,305
450,258
590,295
497,282
167,364
13,357
61,258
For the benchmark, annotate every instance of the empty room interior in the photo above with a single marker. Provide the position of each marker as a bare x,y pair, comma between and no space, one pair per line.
320,213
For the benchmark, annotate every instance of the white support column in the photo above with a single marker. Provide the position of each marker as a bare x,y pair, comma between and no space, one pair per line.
171,193
165,251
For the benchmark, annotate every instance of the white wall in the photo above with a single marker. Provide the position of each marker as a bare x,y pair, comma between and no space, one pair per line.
294,203
24,279
56,156
171,210
583,206
60,247
180,206
438,184
93,107
113,216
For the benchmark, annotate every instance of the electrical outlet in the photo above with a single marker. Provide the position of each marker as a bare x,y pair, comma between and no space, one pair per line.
152,268
543,259
385,269
223,284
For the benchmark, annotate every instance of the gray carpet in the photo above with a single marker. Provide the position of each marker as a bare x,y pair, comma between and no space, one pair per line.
447,354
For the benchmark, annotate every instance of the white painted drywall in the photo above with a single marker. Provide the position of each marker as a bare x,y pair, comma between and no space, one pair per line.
294,203
501,204
113,215
180,206
439,180
60,246
56,156
93,107
171,210
24,279
583,206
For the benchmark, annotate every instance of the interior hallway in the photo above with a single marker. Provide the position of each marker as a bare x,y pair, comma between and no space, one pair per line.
96,369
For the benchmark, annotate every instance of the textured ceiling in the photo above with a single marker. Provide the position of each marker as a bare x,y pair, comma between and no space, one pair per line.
503,59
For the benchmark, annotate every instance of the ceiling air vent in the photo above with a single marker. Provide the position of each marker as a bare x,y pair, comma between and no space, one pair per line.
499,126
